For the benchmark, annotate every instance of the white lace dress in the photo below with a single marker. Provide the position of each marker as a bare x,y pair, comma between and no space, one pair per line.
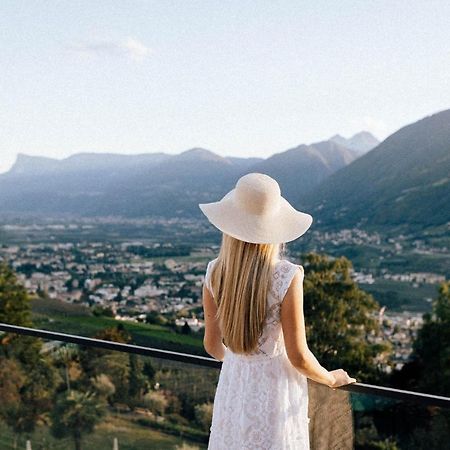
261,400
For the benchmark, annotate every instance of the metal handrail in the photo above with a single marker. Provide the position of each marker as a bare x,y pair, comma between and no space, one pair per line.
360,388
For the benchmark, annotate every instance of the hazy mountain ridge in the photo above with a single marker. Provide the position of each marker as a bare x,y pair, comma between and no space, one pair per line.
317,161
155,183
88,161
404,179
361,142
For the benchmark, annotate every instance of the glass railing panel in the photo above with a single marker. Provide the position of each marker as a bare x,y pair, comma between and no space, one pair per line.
364,421
90,398
59,395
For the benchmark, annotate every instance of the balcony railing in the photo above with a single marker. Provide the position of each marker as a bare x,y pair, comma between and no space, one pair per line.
360,388
353,400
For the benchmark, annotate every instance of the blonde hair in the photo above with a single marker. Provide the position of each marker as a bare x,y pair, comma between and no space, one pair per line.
241,279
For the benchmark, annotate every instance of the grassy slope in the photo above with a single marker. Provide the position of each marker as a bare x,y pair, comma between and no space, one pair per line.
72,319
131,436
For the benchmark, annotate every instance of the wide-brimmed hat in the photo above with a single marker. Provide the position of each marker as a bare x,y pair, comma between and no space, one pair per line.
254,211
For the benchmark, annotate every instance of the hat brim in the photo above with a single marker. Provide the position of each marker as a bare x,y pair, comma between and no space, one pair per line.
286,225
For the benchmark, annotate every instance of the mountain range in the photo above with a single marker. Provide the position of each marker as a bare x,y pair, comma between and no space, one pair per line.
405,179
156,183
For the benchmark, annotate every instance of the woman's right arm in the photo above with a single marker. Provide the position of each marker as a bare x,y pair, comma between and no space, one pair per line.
300,356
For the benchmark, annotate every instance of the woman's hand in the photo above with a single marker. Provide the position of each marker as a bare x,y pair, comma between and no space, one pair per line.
341,378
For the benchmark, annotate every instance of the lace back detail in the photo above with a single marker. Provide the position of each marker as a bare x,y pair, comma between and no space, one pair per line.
271,342
282,276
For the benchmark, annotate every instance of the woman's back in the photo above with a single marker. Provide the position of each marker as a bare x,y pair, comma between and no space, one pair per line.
271,341
261,399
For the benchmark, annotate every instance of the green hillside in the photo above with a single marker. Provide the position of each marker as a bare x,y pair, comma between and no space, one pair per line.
75,319
405,179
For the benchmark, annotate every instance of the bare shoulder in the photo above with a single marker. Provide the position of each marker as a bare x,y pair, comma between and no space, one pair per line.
297,276
292,304
292,318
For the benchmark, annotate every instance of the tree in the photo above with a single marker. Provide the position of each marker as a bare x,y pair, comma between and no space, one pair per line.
156,318
35,397
12,380
149,371
136,383
186,329
429,368
65,355
15,305
156,401
116,365
15,309
340,318
75,414
203,415
103,385
35,393
102,311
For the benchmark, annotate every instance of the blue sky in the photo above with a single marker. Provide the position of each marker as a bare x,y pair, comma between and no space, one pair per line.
248,78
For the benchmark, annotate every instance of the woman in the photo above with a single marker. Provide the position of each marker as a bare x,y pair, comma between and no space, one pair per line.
253,307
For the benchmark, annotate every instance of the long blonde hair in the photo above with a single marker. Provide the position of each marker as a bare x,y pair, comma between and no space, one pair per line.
241,279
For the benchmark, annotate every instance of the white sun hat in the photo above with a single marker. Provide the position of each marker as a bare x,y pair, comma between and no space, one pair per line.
254,211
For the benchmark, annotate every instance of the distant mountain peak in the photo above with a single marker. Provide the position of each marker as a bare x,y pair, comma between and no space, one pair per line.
336,136
25,163
364,134
361,142
200,153
24,157
197,151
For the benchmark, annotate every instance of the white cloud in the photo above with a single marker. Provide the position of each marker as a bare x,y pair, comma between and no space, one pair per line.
136,49
130,48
